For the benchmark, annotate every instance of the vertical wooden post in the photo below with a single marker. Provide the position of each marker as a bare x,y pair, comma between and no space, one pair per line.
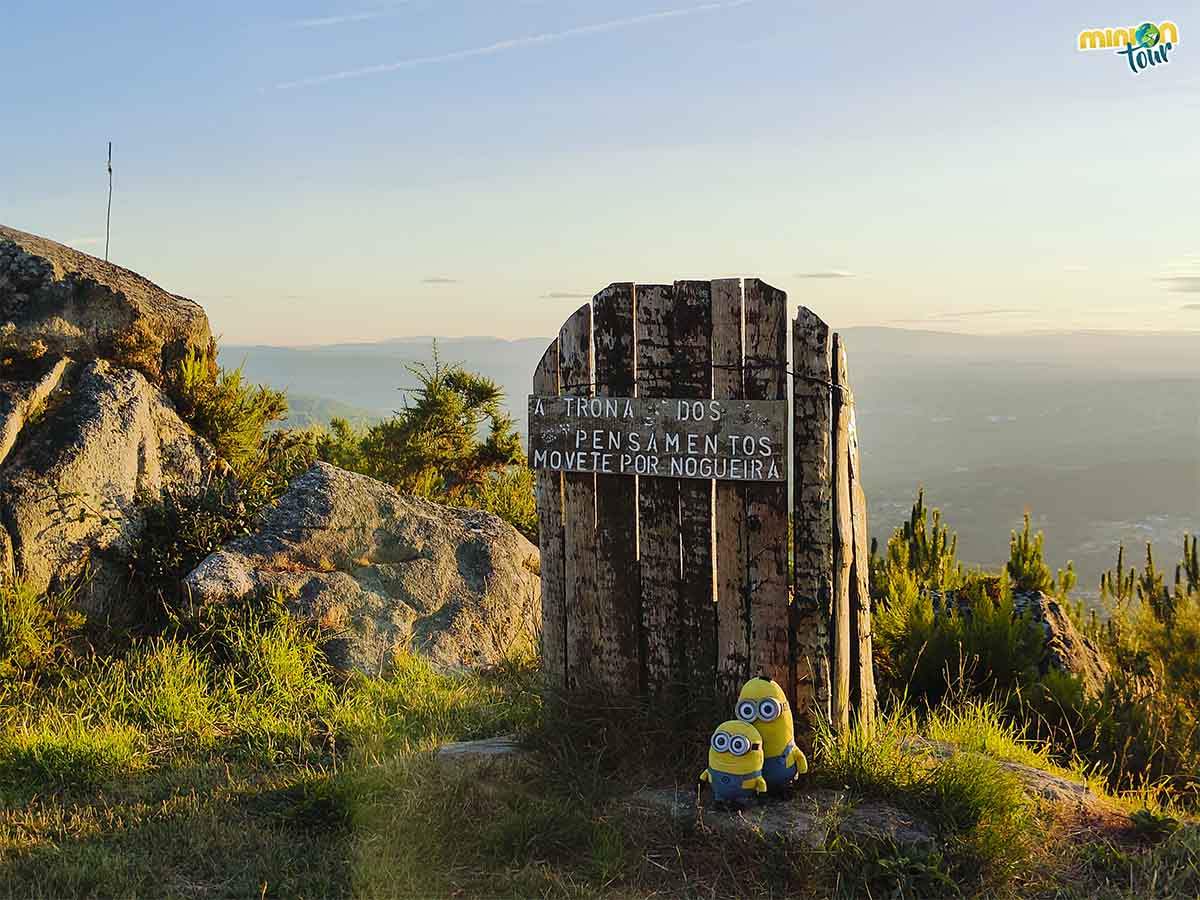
579,512
549,487
619,619
659,553
765,378
813,523
862,664
691,333
733,596
843,539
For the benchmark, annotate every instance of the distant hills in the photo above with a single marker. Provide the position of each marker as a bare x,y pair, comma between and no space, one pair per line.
305,410
369,376
1097,434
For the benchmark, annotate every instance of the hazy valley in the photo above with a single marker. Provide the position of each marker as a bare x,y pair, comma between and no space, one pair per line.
1095,433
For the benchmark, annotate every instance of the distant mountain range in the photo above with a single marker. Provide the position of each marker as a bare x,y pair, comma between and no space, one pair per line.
1097,434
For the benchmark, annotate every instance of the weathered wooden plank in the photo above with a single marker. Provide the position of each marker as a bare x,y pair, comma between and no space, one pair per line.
579,511
843,539
812,511
618,622
691,332
765,378
659,553
733,596
729,440
862,664
549,492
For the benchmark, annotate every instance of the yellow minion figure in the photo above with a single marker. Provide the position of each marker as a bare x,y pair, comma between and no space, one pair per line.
763,704
735,761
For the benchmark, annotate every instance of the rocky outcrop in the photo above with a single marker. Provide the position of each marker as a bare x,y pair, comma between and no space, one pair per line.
1064,649
57,302
105,442
88,435
381,572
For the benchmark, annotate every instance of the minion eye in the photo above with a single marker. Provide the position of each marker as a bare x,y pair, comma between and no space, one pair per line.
720,742
768,710
747,711
739,745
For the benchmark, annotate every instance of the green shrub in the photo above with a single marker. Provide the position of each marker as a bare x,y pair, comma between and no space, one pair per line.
227,411
452,443
253,469
1027,569
919,553
509,495
938,627
1143,729
976,642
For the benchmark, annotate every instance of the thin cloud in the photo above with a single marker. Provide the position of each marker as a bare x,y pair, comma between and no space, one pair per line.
1182,284
513,44
327,21
832,273
566,295
1192,306
439,280
956,315
977,313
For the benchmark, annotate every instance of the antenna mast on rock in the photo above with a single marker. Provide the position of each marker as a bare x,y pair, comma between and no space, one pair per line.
108,217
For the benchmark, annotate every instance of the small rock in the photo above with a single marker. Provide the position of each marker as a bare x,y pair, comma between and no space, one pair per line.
483,752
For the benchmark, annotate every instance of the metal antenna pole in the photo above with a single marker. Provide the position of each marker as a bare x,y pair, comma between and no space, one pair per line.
108,218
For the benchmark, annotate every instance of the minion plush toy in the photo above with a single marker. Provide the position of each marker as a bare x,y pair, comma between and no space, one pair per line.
763,705
735,761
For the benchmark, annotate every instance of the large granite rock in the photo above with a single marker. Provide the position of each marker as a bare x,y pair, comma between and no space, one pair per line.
57,302
82,448
382,572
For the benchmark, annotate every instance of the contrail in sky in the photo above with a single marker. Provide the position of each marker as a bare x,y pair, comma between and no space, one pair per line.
513,44
336,20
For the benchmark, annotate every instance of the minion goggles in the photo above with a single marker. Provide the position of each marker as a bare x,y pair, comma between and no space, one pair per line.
735,744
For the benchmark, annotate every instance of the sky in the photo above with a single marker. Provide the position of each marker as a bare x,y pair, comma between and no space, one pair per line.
324,171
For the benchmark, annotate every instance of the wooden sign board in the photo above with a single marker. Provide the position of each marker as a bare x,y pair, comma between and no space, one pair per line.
722,440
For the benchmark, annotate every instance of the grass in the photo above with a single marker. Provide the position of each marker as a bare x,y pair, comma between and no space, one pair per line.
231,761
980,811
